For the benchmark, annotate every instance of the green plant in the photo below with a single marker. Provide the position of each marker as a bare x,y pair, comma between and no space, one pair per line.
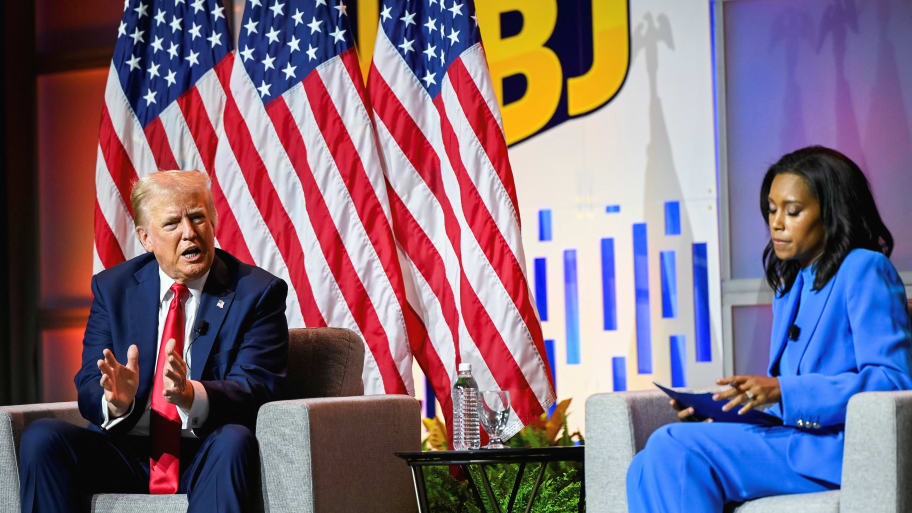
560,487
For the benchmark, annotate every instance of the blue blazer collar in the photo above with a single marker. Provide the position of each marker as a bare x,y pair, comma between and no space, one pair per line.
811,310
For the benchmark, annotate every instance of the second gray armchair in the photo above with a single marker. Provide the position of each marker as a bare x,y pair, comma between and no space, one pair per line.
876,471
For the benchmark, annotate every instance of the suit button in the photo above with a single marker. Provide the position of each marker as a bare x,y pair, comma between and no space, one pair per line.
800,423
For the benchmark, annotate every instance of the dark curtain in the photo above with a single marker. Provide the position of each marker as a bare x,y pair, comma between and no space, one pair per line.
19,373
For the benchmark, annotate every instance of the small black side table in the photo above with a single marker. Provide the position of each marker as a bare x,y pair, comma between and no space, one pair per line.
486,457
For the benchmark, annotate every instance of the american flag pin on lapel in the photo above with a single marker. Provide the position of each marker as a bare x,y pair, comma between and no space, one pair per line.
220,304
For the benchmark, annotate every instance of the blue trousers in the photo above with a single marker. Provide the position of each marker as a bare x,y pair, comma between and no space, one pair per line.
61,466
699,467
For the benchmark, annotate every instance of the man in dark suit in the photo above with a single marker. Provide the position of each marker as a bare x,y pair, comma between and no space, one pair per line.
182,346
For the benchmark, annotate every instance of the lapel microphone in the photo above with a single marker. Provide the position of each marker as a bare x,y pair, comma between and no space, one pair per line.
794,332
201,329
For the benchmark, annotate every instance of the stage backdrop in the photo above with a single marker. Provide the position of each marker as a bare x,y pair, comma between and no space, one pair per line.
620,208
620,204
608,107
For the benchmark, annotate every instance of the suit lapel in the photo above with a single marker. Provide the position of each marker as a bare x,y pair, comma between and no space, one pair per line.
782,319
215,302
808,318
142,303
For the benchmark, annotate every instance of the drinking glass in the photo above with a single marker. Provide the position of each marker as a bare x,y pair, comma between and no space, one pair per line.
495,413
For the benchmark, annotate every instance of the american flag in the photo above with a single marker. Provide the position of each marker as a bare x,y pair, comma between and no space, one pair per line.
302,187
281,128
453,202
298,139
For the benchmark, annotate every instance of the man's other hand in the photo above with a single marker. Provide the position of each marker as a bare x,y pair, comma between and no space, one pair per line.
119,381
177,388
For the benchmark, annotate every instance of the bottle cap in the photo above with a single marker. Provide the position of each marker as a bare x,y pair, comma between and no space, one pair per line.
465,367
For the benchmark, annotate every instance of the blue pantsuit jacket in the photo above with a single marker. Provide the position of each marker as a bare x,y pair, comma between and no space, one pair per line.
857,340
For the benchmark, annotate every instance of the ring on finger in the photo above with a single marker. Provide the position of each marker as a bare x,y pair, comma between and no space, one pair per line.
750,396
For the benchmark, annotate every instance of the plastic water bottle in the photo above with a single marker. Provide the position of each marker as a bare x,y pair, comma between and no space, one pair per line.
466,434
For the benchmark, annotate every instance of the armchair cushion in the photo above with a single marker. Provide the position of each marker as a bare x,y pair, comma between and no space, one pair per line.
324,362
820,502
138,503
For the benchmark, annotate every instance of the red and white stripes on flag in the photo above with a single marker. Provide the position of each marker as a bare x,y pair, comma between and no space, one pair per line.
298,143
453,202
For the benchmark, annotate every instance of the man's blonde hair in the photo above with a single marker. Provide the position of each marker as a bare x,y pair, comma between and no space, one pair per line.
163,182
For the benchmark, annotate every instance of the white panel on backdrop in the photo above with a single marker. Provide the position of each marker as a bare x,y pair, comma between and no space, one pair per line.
601,174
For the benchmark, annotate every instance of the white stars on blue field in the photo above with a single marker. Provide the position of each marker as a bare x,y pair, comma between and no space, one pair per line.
157,59
279,46
429,35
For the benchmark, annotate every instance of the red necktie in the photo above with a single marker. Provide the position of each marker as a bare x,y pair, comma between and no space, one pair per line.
164,422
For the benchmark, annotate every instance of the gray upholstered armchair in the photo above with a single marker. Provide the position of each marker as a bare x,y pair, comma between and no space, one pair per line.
325,448
876,472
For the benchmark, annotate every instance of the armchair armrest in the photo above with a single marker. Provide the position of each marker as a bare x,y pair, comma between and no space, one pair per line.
13,421
617,426
335,454
877,463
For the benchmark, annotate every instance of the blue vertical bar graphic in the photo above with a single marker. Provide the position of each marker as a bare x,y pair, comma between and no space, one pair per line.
541,287
619,373
571,307
609,286
672,218
549,351
669,285
641,289
702,335
430,400
544,224
678,363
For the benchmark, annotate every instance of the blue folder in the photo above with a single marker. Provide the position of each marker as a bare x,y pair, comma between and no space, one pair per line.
705,407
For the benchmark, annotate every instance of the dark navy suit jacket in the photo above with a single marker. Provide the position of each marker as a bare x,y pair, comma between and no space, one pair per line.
859,341
240,358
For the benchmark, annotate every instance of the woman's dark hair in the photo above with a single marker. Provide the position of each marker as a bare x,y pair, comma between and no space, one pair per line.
847,211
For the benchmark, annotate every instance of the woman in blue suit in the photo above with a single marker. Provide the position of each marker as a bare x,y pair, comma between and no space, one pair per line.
840,326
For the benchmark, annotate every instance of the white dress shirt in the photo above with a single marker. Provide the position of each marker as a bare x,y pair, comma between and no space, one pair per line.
199,409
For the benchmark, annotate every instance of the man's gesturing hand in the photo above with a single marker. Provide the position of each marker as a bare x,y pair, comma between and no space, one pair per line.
119,381
177,388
